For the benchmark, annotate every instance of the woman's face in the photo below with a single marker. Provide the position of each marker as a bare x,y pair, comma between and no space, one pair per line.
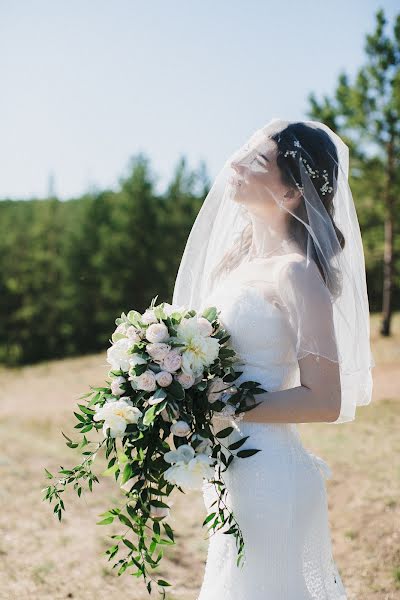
257,179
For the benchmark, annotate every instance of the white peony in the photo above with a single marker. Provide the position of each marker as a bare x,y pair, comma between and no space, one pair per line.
164,378
146,381
117,354
149,316
116,383
188,469
180,428
157,332
158,351
116,415
205,327
172,361
198,351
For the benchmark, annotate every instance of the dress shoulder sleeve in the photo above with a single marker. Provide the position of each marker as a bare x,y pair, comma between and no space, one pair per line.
308,302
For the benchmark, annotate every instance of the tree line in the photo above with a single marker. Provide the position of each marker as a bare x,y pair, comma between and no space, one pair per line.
69,268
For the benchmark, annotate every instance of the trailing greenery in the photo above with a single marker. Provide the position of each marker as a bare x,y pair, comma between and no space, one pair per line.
172,371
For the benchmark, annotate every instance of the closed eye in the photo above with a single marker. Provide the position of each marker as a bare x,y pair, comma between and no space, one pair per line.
263,157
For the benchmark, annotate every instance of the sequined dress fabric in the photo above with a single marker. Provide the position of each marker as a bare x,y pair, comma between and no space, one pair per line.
278,495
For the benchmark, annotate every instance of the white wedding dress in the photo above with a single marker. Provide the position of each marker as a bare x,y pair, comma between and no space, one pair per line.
278,495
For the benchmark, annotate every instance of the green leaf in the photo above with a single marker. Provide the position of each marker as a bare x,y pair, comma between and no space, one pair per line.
246,453
106,521
48,474
159,393
208,518
239,443
149,415
125,521
122,457
87,428
129,544
80,417
168,531
159,504
127,472
111,470
210,313
162,582
224,432
85,410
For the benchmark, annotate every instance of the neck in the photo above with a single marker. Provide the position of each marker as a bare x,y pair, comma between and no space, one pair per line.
267,237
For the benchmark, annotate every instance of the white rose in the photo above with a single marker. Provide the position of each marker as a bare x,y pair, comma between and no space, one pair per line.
186,380
116,383
180,428
116,415
157,332
158,351
149,317
117,354
215,389
133,334
172,361
146,381
164,378
205,326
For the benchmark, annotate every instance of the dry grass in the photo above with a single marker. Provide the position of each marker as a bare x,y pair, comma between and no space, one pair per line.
43,559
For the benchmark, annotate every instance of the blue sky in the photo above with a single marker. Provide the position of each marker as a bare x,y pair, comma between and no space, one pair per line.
87,84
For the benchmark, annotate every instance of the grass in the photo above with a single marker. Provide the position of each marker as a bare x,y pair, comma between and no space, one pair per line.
47,560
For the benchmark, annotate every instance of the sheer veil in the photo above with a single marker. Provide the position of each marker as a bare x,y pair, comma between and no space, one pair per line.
286,190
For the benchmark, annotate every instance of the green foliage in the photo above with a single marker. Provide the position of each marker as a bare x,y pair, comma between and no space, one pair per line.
365,112
136,455
67,267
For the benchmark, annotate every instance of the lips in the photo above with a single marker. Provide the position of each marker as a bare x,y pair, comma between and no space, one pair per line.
234,181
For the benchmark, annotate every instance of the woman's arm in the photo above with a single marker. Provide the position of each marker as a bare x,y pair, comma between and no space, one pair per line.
317,399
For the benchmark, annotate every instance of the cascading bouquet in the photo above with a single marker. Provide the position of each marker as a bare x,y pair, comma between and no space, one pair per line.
172,371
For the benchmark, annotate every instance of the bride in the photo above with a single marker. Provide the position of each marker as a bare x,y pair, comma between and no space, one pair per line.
276,247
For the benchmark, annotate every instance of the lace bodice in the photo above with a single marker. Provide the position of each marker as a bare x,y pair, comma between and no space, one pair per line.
256,318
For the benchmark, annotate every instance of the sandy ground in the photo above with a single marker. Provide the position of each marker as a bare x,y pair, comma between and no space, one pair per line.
41,558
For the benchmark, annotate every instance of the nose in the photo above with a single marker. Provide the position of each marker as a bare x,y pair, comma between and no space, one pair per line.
236,167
